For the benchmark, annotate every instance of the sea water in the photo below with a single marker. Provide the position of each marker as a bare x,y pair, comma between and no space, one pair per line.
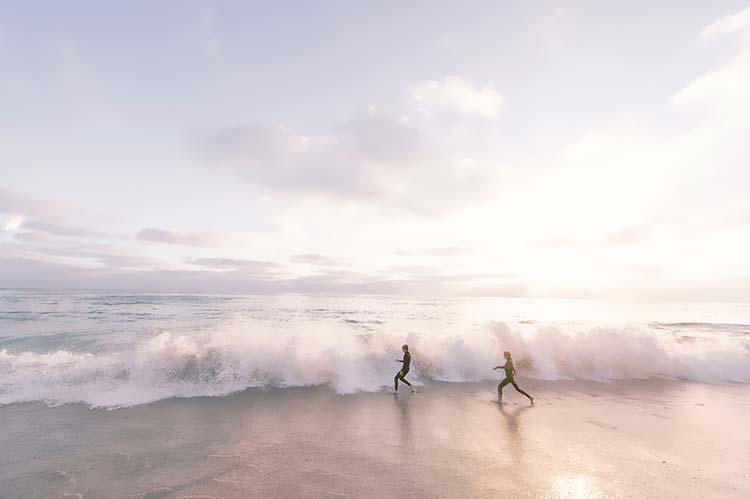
114,349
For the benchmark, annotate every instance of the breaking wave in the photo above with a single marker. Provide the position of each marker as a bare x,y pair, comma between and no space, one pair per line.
242,355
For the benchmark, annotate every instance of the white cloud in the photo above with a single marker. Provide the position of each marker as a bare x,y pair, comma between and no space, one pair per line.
15,203
13,223
315,259
371,159
453,94
255,266
727,25
180,238
722,92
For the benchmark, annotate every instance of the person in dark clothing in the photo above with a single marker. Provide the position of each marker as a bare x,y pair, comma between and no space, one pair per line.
510,374
401,375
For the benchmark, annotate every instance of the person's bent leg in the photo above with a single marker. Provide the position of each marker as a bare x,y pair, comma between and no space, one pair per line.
395,380
518,389
405,381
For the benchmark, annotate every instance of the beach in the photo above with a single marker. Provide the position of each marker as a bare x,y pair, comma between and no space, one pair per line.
119,395
650,438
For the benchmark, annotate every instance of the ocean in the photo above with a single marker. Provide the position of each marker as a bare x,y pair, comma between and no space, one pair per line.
120,349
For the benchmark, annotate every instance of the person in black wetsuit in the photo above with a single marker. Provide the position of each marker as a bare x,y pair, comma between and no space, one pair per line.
510,373
401,375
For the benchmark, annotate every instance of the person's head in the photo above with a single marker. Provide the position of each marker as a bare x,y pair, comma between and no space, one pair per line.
506,354
405,348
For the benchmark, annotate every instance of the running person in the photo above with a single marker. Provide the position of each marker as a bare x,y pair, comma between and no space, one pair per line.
401,375
510,373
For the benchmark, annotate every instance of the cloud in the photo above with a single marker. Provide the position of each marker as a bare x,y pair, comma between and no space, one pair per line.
126,261
628,235
181,238
372,158
437,275
32,219
727,25
26,273
722,92
444,251
314,259
345,165
138,275
15,203
46,247
13,223
456,95
268,155
255,266
62,230
448,251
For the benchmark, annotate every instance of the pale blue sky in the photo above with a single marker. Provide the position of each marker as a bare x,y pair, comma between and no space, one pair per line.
535,148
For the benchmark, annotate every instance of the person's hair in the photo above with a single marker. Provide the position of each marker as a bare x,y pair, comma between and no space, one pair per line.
507,354
405,346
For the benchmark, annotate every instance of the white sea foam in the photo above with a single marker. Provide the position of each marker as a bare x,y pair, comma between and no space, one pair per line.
247,354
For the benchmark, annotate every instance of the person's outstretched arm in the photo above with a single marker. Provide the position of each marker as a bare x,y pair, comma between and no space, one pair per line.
499,367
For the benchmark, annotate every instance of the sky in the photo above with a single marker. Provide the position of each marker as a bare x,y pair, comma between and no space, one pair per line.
579,149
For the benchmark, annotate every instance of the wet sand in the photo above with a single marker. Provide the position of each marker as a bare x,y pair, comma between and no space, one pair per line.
660,439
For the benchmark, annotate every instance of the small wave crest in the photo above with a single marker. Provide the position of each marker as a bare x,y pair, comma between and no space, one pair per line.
724,327
243,355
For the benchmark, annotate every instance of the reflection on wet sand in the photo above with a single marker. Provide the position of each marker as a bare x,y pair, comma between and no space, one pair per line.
514,429
405,422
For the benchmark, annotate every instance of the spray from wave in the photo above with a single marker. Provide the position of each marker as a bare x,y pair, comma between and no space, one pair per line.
242,355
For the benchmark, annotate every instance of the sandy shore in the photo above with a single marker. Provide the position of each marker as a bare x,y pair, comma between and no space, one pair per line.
581,440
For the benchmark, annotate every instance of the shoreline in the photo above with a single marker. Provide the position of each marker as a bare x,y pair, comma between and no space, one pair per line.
552,386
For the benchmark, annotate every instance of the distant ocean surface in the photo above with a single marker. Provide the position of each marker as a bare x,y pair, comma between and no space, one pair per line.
115,349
